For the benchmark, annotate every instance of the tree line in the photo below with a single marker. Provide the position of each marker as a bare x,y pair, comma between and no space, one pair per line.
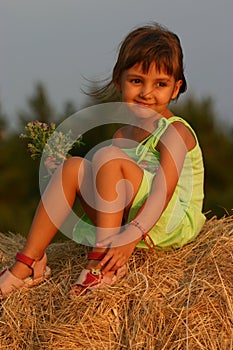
19,185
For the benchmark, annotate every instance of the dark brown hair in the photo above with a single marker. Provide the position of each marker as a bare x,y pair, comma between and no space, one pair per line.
147,44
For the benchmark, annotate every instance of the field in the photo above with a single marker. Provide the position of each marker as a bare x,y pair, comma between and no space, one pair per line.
180,299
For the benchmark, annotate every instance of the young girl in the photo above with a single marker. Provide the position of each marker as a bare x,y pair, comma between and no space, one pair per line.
144,190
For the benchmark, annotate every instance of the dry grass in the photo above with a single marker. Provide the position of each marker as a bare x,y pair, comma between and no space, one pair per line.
180,299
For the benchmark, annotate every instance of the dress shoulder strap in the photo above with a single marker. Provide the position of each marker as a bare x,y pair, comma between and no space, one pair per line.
152,140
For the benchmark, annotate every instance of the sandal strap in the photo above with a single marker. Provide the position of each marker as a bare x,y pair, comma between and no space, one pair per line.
24,259
95,255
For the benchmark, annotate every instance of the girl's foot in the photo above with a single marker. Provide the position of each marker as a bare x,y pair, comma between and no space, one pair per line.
26,272
94,258
92,278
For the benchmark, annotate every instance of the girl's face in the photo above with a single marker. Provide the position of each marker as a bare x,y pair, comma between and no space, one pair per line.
153,90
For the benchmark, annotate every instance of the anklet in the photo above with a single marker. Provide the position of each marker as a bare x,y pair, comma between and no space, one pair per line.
145,235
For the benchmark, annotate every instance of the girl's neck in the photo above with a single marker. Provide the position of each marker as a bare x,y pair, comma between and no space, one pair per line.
167,114
150,124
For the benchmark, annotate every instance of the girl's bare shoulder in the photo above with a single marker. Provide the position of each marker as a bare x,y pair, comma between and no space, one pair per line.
123,132
123,137
176,131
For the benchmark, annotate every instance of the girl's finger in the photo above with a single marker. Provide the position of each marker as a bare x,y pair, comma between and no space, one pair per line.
110,262
108,240
119,240
115,240
113,267
107,257
109,267
103,244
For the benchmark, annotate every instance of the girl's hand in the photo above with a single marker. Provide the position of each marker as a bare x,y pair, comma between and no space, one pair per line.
116,257
121,246
50,163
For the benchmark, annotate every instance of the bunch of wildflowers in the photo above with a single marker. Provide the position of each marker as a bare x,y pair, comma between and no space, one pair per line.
44,139
37,134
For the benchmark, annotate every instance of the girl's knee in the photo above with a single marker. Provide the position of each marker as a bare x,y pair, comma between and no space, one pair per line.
72,162
76,171
73,165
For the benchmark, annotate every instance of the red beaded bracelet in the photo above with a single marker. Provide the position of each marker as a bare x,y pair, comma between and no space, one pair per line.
145,235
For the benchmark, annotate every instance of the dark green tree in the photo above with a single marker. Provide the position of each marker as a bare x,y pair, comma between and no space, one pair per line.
19,184
39,106
3,123
19,189
96,93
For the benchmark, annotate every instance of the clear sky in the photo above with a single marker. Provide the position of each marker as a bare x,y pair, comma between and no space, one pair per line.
58,42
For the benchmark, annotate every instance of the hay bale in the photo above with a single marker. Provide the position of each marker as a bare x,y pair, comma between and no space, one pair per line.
180,299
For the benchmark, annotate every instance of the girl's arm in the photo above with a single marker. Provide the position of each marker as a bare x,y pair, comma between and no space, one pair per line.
173,147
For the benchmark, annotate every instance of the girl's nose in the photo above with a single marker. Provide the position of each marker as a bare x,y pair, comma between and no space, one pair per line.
146,92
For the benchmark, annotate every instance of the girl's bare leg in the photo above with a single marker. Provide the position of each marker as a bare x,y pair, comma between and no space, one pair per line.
56,203
116,180
75,178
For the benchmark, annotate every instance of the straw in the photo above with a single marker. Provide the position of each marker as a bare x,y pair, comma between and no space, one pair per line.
170,300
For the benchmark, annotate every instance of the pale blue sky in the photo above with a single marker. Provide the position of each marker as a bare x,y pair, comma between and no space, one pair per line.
59,41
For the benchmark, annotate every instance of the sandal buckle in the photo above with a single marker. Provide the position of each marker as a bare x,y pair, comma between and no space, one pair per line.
95,272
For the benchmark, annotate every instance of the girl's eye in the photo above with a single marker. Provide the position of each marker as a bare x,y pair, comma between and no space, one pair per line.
136,81
161,84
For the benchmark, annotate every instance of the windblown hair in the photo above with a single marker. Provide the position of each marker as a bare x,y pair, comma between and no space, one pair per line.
145,45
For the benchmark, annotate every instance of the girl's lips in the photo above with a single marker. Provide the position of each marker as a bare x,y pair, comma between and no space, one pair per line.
144,104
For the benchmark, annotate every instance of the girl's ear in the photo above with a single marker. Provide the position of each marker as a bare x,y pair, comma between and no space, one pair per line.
176,89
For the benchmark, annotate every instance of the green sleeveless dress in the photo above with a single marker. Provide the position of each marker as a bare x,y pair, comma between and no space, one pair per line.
183,219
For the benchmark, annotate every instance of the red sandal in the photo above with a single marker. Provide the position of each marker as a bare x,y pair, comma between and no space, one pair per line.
90,279
10,283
